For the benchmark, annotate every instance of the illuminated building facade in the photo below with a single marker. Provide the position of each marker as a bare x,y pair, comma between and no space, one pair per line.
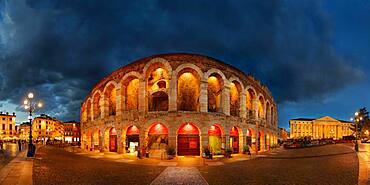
24,131
7,124
72,132
325,127
184,101
46,128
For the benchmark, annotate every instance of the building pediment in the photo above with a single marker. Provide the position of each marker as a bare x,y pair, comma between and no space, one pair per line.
326,119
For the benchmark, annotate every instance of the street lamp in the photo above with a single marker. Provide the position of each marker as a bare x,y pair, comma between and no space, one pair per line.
31,106
356,120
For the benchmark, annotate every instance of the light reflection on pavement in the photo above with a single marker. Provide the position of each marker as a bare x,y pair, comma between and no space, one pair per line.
11,149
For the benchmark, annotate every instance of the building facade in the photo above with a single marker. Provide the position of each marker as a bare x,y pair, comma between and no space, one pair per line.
24,131
284,134
46,128
184,101
325,127
72,132
8,127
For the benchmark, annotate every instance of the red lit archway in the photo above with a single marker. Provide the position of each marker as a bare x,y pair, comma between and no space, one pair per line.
188,140
234,139
132,139
113,140
157,137
215,138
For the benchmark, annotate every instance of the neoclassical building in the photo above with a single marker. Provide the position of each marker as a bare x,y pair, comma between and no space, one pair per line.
184,101
324,127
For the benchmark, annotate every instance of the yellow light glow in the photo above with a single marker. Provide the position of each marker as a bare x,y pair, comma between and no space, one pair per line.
30,95
39,104
25,102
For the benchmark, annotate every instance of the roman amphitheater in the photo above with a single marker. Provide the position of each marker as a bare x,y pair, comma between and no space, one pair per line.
184,101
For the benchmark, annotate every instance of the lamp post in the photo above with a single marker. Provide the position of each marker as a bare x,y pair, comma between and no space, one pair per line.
356,120
30,105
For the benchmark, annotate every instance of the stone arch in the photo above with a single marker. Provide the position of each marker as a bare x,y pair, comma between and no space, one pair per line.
157,138
214,91
131,138
261,140
215,71
110,94
216,138
96,105
236,88
188,139
267,112
261,106
130,87
96,139
236,139
88,109
111,139
163,62
272,116
250,97
158,76
188,87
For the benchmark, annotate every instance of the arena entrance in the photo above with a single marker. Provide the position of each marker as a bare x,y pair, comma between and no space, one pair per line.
157,140
113,140
234,140
188,140
132,139
215,139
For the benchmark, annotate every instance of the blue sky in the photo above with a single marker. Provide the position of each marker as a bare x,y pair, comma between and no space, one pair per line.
313,55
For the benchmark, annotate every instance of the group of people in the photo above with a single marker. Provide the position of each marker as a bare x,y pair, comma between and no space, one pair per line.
20,143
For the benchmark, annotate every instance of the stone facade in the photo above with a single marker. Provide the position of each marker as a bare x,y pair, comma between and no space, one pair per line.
179,101
325,127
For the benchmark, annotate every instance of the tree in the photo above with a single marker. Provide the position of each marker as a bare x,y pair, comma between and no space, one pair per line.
361,119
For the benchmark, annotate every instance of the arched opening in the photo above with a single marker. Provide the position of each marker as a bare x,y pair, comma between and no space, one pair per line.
157,88
112,140
215,139
96,139
261,107
130,92
110,94
215,85
272,118
235,89
234,139
132,139
188,90
96,106
188,140
88,110
268,109
157,139
260,140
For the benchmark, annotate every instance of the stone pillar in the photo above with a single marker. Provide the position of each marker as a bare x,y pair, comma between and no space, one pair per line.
120,147
172,94
203,99
142,96
103,135
226,100
243,105
255,107
91,111
103,103
242,139
204,138
118,100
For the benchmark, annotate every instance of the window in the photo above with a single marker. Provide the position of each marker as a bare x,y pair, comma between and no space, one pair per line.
39,126
3,119
10,127
3,126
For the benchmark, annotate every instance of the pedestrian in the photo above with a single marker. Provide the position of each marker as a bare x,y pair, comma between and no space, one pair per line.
1,144
19,145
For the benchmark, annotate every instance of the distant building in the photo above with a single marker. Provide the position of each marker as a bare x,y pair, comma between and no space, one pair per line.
46,128
284,134
72,132
7,125
325,127
24,131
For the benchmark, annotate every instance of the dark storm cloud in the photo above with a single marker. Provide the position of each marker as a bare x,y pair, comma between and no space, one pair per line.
60,49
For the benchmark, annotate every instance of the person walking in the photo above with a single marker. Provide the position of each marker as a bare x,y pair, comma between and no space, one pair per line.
19,145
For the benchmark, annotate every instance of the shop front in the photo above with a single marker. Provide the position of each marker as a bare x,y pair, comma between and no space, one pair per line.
215,139
234,140
132,139
113,140
188,140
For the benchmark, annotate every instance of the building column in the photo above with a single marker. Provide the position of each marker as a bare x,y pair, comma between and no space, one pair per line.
226,100
243,105
120,147
172,94
118,100
142,96
203,138
203,99
104,108
255,107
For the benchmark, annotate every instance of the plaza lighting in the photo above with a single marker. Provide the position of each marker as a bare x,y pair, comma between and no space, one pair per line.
31,105
356,120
